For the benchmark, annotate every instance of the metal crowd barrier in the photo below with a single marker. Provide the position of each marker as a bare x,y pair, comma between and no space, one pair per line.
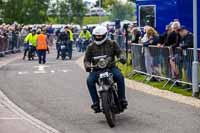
163,63
8,44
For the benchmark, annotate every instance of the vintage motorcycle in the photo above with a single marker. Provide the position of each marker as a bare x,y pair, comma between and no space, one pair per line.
107,89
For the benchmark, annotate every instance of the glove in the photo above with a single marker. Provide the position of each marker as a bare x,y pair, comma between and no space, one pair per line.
123,59
87,67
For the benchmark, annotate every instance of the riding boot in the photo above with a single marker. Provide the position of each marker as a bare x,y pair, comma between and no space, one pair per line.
96,108
124,103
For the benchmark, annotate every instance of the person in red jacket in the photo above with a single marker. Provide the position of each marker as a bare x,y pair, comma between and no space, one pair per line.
42,47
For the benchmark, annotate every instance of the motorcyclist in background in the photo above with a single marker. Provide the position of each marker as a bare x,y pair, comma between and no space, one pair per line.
103,46
62,38
31,39
71,38
84,37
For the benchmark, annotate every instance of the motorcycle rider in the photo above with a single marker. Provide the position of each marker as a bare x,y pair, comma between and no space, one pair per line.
62,38
31,39
103,46
86,36
71,38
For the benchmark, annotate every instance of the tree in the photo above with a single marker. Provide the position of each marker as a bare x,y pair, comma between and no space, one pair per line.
41,11
71,11
78,11
132,1
123,11
25,11
106,3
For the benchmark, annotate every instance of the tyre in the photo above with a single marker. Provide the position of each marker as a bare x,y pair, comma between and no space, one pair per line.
63,55
107,110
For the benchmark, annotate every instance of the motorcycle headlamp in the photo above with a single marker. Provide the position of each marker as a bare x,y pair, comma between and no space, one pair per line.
102,63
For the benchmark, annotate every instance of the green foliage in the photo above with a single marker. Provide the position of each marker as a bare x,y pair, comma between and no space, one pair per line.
123,11
39,11
106,3
68,11
94,19
25,11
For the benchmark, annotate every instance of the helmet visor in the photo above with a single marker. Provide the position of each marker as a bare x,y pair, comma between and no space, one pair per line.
99,37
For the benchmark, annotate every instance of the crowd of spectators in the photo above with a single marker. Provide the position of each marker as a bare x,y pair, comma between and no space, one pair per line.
176,38
11,38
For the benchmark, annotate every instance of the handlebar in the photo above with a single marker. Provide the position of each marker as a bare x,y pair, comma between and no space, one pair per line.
96,67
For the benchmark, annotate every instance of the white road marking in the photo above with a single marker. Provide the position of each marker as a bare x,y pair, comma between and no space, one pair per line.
41,67
39,72
7,118
22,73
65,71
52,71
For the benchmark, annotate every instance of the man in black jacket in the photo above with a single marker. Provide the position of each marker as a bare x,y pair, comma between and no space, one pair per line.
186,38
185,43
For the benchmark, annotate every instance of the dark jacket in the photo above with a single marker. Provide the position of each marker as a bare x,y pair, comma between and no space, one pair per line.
63,36
187,41
110,48
137,37
173,40
163,38
152,41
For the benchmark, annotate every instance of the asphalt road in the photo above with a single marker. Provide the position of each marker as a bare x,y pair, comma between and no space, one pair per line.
57,95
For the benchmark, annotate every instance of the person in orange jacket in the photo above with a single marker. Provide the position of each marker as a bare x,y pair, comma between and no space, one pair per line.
42,47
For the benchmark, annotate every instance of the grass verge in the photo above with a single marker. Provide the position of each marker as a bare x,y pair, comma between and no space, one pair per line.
127,69
94,19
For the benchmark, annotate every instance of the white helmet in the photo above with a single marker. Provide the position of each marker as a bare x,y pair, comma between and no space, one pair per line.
100,31
84,28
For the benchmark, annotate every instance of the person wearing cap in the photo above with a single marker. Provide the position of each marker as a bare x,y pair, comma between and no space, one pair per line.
31,39
186,38
86,36
42,47
186,42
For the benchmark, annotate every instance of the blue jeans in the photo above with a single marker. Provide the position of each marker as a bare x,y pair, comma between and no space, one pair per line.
42,56
118,78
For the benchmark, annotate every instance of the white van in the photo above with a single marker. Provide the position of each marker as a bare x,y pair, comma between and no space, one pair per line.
97,12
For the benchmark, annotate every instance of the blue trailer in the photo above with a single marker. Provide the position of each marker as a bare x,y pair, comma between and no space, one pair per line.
159,13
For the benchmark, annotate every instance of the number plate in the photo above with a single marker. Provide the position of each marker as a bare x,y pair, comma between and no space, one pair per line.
104,75
62,46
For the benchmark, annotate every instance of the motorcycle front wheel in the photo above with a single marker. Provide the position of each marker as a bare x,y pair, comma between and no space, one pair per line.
107,109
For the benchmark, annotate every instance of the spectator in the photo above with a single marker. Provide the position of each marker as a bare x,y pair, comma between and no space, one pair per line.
164,53
119,37
152,38
173,38
164,37
173,41
135,35
143,37
186,38
186,42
